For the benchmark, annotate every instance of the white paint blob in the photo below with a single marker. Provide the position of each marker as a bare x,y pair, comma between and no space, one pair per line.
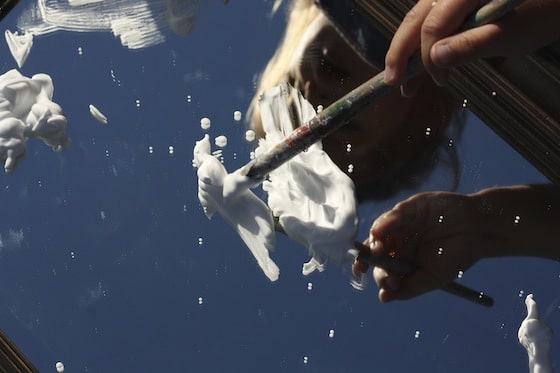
221,141
205,123
250,135
26,111
97,114
535,336
237,115
59,367
331,333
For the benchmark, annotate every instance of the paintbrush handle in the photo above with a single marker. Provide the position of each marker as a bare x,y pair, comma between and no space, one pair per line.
403,268
344,109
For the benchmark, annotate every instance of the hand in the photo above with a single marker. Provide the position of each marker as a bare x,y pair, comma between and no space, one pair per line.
438,232
432,27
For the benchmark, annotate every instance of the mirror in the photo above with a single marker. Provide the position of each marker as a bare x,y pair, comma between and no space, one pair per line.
108,262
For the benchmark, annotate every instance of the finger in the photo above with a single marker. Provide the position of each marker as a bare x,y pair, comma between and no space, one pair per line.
413,285
444,19
405,42
506,37
386,280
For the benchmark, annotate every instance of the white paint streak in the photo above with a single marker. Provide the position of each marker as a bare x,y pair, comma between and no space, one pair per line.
138,23
535,336
97,114
19,45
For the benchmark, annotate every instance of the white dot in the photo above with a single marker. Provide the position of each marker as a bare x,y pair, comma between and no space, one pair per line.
331,333
250,135
440,251
521,292
417,334
237,115
350,168
309,286
460,274
205,123
59,367
305,359
428,131
517,219
221,141
171,149
189,98
440,219
348,148
200,241
151,149
494,93
200,300
465,102
319,108
137,103
80,51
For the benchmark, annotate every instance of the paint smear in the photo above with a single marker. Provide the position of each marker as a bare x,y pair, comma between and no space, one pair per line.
137,23
27,111
97,114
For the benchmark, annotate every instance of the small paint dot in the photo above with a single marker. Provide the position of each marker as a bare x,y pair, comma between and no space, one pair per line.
250,135
205,123
237,115
221,141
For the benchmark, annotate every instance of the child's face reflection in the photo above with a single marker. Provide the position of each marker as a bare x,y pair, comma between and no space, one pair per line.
325,68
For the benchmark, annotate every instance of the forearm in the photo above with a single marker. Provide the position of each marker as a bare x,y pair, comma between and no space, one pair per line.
519,221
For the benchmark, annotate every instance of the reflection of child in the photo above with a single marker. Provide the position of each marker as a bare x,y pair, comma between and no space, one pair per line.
26,110
390,145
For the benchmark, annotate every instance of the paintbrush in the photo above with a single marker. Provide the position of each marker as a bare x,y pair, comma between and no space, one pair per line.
6,6
365,258
344,109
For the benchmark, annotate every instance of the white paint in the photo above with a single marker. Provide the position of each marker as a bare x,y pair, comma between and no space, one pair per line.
312,198
205,123
27,111
97,114
229,195
138,23
535,336
237,115
250,135
19,45
59,367
221,141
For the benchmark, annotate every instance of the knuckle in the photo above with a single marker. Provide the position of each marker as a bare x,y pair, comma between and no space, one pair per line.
432,26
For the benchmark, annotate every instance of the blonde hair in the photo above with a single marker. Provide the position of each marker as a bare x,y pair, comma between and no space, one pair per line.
301,14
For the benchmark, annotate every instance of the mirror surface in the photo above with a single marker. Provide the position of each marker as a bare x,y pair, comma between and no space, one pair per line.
108,263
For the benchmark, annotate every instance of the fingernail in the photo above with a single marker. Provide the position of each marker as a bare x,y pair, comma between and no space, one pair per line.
389,75
442,55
